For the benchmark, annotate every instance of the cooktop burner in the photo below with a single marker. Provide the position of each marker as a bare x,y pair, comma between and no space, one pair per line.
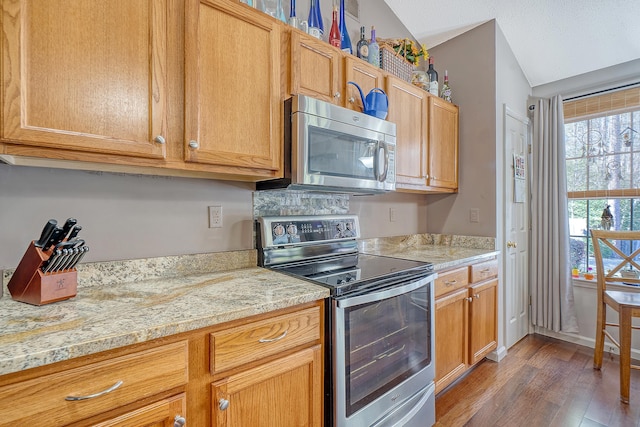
324,249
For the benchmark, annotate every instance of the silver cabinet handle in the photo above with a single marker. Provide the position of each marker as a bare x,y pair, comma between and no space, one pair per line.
274,339
93,396
159,139
477,296
352,100
451,283
179,421
486,270
336,95
194,144
470,299
223,404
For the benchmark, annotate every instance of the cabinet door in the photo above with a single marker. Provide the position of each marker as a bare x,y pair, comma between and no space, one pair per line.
364,75
408,110
483,320
285,392
315,68
85,76
443,144
451,337
233,108
158,414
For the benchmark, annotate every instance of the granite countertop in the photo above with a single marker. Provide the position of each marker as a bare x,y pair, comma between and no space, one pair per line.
120,303
127,302
443,250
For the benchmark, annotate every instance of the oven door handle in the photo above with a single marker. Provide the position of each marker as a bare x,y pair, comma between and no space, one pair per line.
350,301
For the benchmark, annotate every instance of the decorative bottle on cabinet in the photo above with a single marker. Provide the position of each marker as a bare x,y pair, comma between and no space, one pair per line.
362,48
433,78
334,33
446,90
374,49
293,19
345,40
316,27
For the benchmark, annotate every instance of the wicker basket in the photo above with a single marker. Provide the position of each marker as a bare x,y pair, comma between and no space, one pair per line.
395,63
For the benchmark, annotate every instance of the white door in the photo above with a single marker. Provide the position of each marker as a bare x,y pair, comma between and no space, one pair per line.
516,231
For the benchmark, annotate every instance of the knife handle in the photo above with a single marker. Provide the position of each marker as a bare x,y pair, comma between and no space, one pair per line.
46,233
68,225
55,238
74,232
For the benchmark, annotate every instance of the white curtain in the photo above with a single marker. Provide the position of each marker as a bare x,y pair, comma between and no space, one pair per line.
550,269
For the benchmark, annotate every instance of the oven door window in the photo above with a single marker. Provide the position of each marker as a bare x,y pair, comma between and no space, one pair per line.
386,342
340,154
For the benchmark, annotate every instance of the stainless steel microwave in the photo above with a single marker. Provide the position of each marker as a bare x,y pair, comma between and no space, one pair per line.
330,148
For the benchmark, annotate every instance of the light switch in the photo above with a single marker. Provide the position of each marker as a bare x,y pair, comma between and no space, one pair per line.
474,215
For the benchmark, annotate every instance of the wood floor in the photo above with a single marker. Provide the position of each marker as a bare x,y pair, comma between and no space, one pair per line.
541,382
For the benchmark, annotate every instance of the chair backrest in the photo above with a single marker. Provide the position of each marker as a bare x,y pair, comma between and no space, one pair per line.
622,252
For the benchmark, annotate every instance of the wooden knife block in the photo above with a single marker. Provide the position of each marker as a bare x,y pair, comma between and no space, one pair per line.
29,284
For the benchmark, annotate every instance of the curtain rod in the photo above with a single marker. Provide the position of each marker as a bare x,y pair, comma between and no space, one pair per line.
602,91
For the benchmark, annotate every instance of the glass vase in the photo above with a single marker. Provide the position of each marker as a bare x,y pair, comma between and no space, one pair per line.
345,40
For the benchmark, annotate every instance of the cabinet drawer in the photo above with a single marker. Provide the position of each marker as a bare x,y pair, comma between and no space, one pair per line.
42,401
484,270
243,344
451,280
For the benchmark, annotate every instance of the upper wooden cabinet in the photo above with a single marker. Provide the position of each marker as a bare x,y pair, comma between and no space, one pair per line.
408,110
364,75
233,108
87,76
443,144
315,68
426,140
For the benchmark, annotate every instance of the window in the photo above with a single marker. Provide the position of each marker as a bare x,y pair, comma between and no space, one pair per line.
602,141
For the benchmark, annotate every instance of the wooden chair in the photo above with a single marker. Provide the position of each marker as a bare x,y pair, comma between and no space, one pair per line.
626,303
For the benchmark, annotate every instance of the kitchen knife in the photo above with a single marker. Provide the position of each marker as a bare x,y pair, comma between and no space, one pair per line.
46,266
56,266
55,238
84,251
49,227
70,244
68,225
67,263
74,232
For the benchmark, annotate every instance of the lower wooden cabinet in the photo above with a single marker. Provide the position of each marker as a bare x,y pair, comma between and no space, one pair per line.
466,319
281,393
264,370
167,412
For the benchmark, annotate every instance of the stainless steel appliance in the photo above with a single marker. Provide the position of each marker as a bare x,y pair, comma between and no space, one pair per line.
330,148
380,315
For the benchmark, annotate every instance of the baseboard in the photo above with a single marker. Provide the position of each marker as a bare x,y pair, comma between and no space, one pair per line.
497,354
584,341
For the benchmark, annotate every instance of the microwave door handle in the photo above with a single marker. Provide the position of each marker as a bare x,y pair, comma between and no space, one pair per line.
385,148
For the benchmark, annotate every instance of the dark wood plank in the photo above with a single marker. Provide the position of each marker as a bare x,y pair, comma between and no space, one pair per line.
541,382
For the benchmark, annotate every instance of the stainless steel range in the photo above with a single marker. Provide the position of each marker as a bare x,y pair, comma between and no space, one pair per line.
380,339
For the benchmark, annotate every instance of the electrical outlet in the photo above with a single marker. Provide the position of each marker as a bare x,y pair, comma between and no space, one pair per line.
215,216
474,215
392,214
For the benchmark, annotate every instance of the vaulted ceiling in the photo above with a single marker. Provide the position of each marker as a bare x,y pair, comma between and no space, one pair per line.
551,39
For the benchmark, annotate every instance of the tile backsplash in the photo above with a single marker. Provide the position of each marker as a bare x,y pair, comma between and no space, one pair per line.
291,202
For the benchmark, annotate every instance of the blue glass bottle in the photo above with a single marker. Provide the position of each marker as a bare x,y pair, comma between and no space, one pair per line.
316,27
345,40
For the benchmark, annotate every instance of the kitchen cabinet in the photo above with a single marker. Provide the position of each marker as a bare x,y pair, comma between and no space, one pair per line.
408,109
147,86
116,382
85,76
466,313
364,75
265,369
281,393
233,108
286,386
443,145
315,68
426,140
